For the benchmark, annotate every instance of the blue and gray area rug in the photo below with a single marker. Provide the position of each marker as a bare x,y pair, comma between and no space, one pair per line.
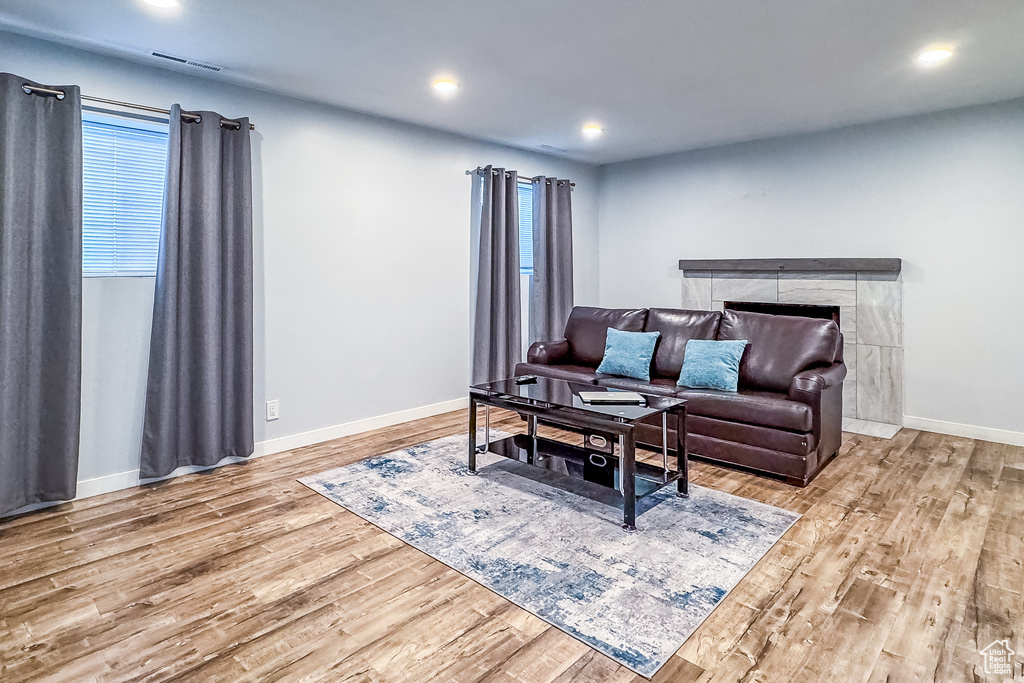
525,534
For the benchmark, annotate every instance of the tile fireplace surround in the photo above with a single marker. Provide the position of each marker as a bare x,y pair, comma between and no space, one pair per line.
869,293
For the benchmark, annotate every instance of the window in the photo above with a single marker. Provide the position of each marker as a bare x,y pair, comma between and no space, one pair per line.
526,228
124,166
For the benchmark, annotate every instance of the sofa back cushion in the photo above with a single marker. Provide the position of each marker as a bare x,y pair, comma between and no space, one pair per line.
779,346
677,327
587,330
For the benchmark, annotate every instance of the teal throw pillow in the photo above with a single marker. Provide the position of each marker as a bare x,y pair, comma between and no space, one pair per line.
628,354
711,364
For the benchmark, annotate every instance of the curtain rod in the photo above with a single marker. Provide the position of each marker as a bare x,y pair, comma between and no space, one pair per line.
59,94
522,180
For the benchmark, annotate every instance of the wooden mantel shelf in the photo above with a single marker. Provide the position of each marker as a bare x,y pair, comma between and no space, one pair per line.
847,265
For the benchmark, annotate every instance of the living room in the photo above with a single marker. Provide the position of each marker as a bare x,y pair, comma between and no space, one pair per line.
361,286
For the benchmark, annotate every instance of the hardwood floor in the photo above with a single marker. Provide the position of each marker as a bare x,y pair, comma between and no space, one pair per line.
907,561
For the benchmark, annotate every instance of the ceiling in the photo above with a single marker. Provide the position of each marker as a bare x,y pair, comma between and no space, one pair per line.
659,75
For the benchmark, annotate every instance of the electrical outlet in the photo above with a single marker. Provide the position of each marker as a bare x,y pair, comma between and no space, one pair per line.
273,410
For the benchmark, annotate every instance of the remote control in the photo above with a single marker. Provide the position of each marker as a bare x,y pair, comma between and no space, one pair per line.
526,379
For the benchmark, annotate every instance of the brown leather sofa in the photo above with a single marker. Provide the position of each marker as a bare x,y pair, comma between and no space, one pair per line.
786,418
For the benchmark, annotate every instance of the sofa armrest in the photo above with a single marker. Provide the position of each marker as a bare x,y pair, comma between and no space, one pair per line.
807,386
822,390
548,352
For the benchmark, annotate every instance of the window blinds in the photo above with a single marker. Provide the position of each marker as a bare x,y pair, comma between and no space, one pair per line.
123,191
525,229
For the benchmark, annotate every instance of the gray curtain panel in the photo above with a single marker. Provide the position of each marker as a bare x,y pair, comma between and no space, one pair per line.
40,293
551,296
497,326
199,405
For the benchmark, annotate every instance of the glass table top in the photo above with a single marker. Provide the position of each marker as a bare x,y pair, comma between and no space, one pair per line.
560,393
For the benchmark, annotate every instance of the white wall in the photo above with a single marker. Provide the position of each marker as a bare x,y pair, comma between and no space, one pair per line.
362,259
943,192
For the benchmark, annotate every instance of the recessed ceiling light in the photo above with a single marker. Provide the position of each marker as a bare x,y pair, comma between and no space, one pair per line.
163,4
445,85
933,56
592,130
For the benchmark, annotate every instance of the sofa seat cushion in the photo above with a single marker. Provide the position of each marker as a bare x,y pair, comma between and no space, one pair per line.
677,327
797,443
783,440
584,374
793,466
659,386
797,469
765,408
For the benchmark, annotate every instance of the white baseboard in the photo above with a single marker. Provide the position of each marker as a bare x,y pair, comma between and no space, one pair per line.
126,480
287,443
112,482
968,431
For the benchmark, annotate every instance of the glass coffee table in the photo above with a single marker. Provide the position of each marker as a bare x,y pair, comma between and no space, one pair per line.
608,454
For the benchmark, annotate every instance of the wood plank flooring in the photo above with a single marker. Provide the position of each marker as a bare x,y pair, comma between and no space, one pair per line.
907,561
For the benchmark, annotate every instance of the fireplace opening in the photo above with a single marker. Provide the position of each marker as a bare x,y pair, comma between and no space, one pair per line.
802,310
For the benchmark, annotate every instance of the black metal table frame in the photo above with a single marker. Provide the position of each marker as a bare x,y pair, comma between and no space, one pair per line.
565,416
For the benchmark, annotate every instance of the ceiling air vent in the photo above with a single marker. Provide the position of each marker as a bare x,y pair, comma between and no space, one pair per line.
549,148
186,62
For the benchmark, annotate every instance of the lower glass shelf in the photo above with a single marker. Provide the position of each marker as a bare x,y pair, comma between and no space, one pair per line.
580,463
